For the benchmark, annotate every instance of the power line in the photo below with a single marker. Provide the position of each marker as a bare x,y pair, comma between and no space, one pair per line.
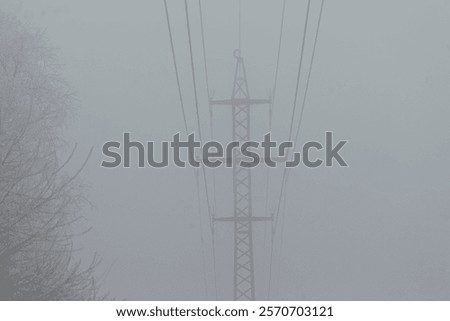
295,103
197,183
176,67
200,133
305,95
278,60
286,172
194,83
272,105
302,109
275,222
207,86
185,120
203,45
212,137
297,87
309,73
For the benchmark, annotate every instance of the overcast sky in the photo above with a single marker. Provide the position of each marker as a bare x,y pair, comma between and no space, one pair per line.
377,230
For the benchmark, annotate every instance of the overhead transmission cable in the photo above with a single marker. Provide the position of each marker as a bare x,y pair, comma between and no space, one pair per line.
309,74
308,81
275,219
194,83
180,95
302,110
207,86
305,95
272,105
270,125
212,138
294,108
187,133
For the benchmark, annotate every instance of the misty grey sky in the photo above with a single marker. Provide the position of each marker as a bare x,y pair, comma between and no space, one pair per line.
377,230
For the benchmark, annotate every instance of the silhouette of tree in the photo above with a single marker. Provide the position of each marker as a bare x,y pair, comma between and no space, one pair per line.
39,200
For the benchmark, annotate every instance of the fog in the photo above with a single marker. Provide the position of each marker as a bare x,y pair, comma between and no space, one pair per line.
378,229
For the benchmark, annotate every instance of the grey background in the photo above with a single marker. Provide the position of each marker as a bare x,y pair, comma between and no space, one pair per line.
376,230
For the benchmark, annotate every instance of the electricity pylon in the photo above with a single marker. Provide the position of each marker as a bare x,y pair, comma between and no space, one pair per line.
243,219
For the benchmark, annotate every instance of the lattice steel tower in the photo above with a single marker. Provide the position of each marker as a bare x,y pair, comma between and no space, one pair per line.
243,219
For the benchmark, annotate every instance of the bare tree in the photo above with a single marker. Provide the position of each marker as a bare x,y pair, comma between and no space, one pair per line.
39,201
